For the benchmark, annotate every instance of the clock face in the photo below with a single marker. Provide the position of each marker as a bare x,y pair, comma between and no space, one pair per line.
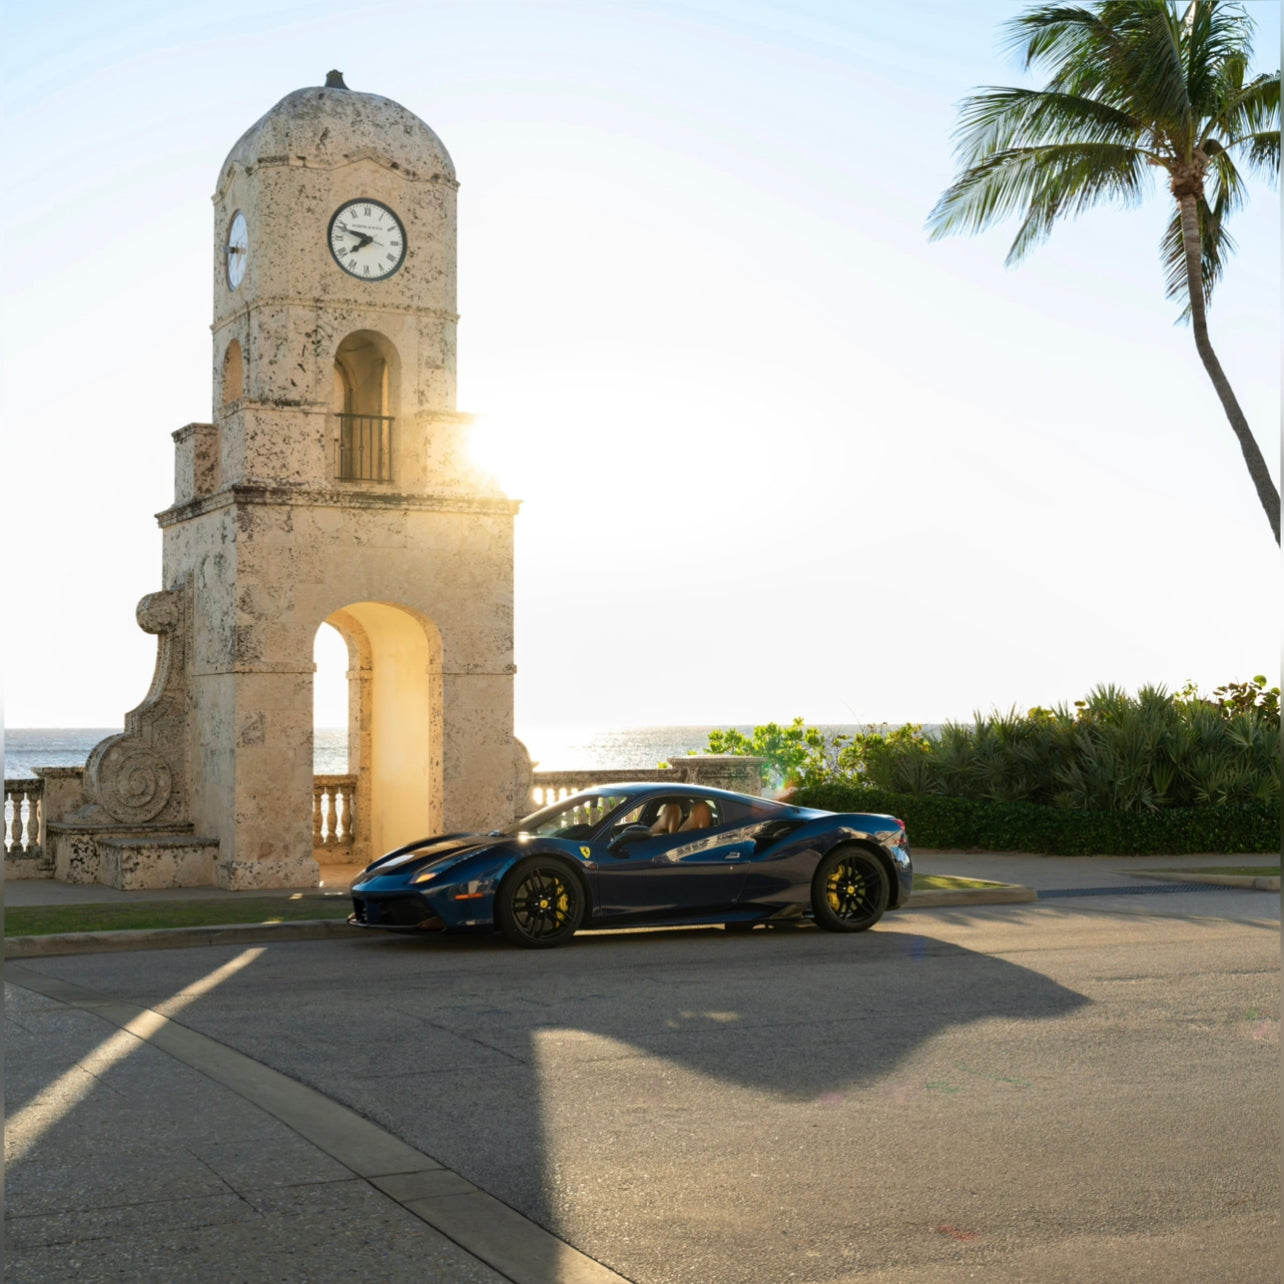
367,240
237,249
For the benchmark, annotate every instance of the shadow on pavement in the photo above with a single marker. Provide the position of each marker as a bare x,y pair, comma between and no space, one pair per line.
491,1059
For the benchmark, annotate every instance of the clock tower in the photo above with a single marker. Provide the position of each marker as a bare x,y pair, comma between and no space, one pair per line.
333,485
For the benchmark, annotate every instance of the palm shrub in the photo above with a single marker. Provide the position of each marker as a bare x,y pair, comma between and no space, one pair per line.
1110,751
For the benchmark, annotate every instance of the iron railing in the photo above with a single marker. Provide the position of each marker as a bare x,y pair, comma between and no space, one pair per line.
365,447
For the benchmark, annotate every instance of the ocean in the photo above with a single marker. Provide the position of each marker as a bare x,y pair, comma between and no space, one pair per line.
552,749
560,748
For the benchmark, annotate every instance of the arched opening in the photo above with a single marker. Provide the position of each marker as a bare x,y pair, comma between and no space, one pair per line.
330,702
394,728
364,380
233,373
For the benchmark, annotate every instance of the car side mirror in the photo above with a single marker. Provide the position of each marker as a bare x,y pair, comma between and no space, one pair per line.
629,834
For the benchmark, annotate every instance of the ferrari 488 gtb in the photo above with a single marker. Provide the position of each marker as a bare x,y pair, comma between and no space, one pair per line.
628,854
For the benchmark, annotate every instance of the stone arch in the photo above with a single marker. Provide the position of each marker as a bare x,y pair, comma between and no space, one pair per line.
367,378
233,373
367,371
395,723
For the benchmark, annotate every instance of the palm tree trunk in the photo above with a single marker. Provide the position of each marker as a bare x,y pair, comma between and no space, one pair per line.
1257,469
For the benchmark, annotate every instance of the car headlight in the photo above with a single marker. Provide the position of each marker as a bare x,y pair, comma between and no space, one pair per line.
426,875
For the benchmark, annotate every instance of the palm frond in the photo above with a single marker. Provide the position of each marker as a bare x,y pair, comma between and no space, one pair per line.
1000,118
1264,153
1217,44
1041,183
1248,122
1152,77
1072,42
1251,109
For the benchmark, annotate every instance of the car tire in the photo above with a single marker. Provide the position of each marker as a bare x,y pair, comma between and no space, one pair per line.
849,890
539,904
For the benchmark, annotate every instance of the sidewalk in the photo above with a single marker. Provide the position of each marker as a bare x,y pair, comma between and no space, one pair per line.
137,1149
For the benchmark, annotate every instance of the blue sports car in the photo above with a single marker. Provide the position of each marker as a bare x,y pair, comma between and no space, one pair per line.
629,854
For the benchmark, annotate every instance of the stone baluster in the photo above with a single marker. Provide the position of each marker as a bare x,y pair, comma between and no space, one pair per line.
338,815
15,830
318,792
327,802
349,812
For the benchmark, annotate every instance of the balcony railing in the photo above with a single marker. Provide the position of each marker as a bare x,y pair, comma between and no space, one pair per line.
365,447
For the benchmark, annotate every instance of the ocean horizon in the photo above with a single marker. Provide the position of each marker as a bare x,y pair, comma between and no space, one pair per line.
552,748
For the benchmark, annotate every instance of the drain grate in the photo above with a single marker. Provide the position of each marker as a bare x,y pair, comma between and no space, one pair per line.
1151,889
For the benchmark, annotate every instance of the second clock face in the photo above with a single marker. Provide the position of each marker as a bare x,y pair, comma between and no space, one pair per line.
237,250
367,240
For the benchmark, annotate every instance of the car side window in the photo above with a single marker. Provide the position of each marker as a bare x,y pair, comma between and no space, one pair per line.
693,811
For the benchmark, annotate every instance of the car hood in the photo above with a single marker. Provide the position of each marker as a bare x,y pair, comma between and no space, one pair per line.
431,851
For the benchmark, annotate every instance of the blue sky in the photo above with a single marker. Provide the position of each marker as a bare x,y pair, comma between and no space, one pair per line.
778,454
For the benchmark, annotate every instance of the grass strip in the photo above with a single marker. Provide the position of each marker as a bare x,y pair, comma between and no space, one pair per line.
44,920
950,883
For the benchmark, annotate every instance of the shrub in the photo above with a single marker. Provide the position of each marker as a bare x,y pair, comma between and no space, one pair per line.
1111,752
938,821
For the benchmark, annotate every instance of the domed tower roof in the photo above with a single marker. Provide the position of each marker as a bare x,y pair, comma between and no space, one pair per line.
331,125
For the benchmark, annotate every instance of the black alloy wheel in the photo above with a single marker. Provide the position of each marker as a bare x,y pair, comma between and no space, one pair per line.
540,904
849,890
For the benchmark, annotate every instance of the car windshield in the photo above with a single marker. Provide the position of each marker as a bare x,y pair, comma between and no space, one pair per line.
572,817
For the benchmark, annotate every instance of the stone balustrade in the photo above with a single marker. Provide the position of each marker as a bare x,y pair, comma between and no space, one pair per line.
740,774
334,818
23,798
29,805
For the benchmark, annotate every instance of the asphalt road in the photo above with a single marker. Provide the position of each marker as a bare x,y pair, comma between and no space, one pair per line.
1085,1090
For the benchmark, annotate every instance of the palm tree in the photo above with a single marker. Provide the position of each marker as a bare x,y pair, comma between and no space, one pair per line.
1134,84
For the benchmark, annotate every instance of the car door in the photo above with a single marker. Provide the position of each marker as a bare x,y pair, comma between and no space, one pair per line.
687,873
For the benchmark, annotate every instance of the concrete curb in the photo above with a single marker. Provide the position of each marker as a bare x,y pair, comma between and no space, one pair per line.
1003,894
1261,884
493,1232
176,938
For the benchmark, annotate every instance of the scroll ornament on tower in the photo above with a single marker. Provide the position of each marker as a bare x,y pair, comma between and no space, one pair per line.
137,776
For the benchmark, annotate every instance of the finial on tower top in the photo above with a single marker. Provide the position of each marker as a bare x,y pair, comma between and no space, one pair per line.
334,80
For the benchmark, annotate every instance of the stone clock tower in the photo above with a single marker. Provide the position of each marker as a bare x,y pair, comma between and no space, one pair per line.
332,486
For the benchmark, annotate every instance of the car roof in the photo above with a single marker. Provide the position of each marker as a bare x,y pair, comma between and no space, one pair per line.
646,788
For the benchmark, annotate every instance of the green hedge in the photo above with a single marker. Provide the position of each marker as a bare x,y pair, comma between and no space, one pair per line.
934,821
